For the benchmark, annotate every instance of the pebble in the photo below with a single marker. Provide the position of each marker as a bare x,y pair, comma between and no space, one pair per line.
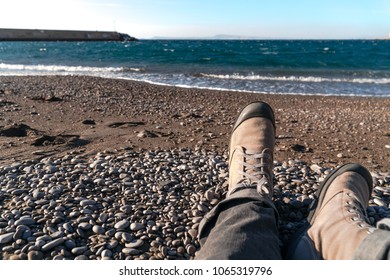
50,245
6,238
136,226
130,251
138,205
35,255
135,243
121,225
79,250
25,221
98,229
87,202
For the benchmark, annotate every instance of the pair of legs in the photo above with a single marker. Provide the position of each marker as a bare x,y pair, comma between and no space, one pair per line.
245,224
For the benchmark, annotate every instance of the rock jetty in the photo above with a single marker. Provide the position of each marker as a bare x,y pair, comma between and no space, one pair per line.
61,35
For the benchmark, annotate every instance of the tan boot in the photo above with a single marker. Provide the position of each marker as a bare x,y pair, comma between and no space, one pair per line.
251,149
338,222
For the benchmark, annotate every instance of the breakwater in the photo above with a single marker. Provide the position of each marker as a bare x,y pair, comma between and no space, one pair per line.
61,35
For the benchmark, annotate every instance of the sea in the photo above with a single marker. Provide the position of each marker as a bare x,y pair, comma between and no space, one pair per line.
303,67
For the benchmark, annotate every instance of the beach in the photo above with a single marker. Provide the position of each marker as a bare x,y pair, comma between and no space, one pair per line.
60,124
115,114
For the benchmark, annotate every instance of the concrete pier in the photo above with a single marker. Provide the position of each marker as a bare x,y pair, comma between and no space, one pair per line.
61,35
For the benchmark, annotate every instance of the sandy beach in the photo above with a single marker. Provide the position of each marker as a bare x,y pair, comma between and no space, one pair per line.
94,168
45,116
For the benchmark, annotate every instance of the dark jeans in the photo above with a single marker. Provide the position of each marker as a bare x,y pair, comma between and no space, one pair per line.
245,226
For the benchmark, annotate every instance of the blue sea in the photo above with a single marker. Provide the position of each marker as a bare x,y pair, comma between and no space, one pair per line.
329,67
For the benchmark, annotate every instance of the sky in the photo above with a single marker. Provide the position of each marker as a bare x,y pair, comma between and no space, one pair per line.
144,19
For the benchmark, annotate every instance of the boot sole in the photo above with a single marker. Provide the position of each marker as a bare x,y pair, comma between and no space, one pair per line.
320,194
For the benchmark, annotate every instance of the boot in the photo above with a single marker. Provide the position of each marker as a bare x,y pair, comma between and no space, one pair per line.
337,222
251,149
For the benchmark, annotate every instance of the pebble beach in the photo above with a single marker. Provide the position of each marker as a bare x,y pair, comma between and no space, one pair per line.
104,169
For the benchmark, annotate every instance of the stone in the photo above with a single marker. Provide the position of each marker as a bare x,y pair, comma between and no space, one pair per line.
52,244
121,225
79,250
130,251
98,229
25,220
136,226
6,237
87,202
35,255
106,253
135,243
191,249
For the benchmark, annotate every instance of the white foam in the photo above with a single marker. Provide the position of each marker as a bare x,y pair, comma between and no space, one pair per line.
62,69
311,79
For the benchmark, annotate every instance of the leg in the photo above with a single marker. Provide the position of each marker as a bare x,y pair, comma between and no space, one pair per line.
376,246
244,225
240,227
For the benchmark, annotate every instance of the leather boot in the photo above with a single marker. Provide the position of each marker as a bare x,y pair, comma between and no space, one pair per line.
251,149
337,222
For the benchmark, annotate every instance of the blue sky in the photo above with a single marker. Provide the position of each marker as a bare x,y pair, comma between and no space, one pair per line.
298,19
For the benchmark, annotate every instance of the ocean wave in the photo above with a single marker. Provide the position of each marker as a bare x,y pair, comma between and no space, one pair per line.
309,79
65,69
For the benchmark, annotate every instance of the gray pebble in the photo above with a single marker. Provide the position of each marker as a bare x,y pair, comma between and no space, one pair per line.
98,229
135,243
79,250
50,245
6,237
87,202
106,253
25,220
130,251
121,225
136,226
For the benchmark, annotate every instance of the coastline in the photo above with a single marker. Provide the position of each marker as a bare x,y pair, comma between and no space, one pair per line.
322,129
103,169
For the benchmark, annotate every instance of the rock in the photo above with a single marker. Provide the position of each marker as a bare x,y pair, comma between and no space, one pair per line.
146,134
130,251
6,237
135,243
191,249
87,202
106,253
136,226
121,225
379,202
79,250
35,255
98,229
316,168
50,245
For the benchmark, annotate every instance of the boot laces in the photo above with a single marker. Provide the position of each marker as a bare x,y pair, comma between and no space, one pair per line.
359,214
256,171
